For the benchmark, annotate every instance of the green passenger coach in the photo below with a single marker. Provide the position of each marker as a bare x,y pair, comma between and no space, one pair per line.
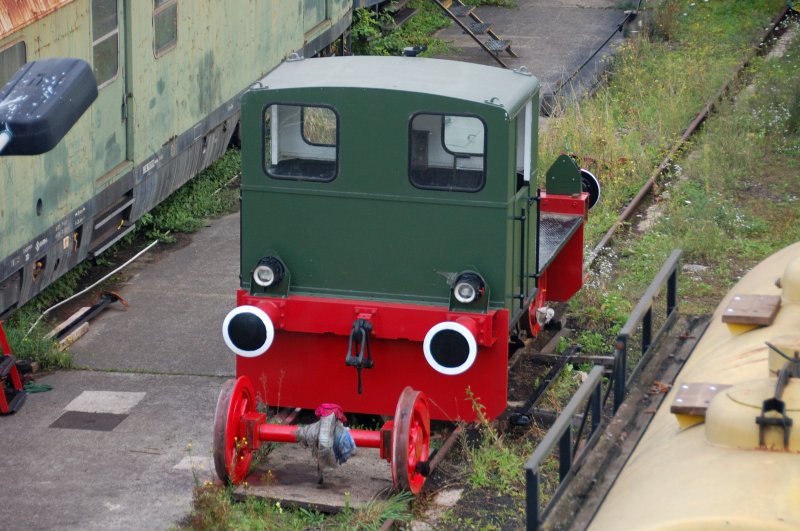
169,77
392,237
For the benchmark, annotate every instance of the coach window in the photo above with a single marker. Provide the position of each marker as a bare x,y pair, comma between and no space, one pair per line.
447,152
105,40
11,60
301,142
165,26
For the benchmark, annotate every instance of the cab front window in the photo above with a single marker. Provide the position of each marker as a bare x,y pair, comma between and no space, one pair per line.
301,142
447,152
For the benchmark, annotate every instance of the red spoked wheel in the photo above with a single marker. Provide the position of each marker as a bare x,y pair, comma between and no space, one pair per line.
232,450
411,438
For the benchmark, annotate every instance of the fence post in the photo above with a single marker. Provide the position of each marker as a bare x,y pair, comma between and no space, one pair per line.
565,454
532,499
672,291
647,330
597,407
621,370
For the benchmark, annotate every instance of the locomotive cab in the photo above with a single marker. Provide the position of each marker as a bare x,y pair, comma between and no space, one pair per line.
393,235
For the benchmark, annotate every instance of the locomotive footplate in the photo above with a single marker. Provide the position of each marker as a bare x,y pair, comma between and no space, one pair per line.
555,230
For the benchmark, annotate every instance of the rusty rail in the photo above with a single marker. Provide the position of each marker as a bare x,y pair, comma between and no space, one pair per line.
708,108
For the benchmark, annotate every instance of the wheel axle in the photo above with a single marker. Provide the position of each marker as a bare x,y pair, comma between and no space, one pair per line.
239,430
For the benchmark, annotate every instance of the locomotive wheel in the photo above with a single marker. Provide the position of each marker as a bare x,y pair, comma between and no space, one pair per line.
411,438
232,454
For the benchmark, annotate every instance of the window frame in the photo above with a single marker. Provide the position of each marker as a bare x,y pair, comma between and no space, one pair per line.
266,160
484,156
102,39
9,47
158,10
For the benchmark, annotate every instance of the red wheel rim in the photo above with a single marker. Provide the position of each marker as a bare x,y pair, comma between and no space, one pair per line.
411,439
232,453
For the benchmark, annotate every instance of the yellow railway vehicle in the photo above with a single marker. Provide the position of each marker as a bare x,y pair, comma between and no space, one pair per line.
723,449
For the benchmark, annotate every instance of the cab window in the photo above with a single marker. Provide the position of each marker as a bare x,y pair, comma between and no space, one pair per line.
301,142
447,152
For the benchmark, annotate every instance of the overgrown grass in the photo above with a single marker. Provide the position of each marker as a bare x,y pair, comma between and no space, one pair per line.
190,206
215,509
654,89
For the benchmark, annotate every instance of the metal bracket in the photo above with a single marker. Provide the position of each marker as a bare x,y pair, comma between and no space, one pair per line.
790,370
359,338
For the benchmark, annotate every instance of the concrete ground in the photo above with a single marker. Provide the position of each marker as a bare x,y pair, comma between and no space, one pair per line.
108,447
553,38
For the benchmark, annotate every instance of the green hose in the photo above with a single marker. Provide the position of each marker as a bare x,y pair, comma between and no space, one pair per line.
32,387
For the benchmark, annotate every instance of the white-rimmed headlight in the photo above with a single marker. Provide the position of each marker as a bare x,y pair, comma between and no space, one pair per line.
248,331
450,348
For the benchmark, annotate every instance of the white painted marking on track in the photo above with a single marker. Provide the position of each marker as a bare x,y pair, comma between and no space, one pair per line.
117,402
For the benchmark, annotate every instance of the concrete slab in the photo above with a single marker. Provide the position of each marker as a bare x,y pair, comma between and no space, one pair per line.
173,323
125,478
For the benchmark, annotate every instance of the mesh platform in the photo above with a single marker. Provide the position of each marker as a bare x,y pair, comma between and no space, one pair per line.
555,230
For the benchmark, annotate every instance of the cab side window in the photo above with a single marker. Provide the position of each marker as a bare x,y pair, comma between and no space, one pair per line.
447,152
301,142
11,60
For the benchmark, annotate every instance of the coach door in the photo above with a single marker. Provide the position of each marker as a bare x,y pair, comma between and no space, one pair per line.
110,111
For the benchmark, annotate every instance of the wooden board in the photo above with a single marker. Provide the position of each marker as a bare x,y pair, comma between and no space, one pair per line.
752,309
693,398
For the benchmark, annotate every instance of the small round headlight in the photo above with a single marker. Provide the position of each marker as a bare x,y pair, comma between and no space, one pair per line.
468,288
264,276
269,271
465,292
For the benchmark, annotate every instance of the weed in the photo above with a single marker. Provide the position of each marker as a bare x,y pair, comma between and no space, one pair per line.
191,205
373,32
494,464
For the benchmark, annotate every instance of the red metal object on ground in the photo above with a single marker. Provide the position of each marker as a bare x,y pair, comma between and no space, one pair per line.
11,396
305,365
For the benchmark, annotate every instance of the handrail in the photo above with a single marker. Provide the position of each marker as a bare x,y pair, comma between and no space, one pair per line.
643,314
561,434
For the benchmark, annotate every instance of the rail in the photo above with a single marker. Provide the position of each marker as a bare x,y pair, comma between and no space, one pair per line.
642,315
561,435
